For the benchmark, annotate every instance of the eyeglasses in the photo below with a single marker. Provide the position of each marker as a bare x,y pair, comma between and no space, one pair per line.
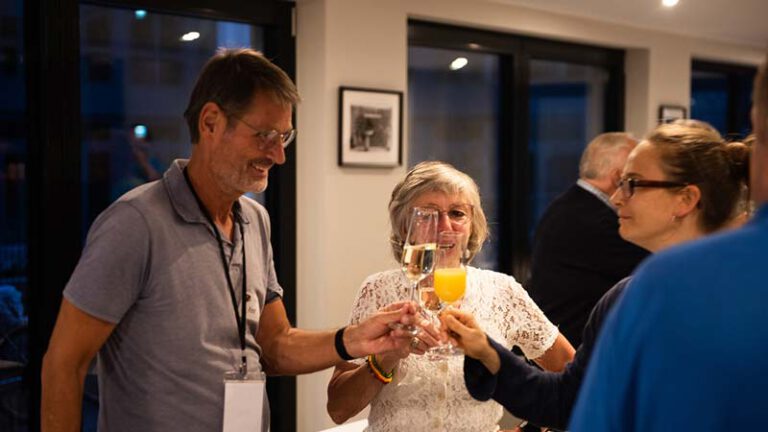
266,139
628,186
458,214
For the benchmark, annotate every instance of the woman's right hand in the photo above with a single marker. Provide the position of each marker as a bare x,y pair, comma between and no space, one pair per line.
464,332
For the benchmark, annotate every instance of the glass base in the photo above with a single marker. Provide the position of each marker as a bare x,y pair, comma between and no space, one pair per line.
443,352
413,330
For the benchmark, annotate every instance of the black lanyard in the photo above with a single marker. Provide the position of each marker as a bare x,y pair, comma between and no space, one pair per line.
239,317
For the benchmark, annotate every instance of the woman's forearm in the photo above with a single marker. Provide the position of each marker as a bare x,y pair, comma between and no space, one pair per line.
557,356
352,388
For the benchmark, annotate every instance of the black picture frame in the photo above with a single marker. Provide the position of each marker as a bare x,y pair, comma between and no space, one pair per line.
670,113
370,127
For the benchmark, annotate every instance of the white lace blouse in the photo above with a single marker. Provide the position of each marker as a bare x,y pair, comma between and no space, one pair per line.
430,395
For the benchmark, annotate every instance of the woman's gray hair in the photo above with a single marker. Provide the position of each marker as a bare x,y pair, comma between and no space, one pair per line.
434,176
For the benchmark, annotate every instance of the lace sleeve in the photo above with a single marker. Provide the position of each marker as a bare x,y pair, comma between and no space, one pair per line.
377,291
528,327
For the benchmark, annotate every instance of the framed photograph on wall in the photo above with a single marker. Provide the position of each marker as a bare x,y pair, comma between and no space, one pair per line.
670,113
370,127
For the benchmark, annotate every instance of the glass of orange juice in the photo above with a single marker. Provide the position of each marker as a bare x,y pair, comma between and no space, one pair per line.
450,276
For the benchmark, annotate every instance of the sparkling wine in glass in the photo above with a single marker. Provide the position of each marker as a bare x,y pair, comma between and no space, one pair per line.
418,258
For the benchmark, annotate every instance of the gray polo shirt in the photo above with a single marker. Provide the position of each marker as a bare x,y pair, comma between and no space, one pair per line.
152,266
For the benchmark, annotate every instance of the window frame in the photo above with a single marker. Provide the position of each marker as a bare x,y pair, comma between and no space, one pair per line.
515,54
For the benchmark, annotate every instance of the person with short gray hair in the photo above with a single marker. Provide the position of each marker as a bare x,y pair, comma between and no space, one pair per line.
577,251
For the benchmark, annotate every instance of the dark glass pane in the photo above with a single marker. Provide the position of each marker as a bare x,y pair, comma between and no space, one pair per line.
743,84
137,71
453,117
13,220
709,98
567,109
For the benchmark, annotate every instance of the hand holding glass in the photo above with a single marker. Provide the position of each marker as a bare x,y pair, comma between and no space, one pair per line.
418,259
450,279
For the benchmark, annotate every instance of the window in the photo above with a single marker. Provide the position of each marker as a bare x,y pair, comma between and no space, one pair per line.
137,73
453,117
515,117
721,94
567,109
14,355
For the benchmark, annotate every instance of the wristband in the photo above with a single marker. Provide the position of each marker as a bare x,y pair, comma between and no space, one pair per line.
339,342
375,369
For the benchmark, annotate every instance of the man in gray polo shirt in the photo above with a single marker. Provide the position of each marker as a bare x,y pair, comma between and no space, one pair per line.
166,267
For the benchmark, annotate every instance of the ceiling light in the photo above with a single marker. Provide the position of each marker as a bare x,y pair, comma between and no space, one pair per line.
669,3
459,63
140,14
473,45
188,37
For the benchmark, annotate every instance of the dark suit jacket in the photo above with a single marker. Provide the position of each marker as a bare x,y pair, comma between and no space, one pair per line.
577,256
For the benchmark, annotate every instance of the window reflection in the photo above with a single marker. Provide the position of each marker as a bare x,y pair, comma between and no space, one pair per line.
453,118
567,110
138,70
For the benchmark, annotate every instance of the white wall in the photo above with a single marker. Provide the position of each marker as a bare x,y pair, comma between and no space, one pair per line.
342,219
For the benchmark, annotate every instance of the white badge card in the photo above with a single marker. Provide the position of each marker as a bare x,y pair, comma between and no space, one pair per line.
244,400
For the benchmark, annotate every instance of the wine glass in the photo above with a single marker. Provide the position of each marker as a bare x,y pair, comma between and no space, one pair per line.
450,277
418,258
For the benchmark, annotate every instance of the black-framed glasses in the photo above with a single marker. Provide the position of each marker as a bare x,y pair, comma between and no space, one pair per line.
268,138
459,214
628,185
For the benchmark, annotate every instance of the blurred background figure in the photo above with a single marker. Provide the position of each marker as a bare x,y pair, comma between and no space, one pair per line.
577,251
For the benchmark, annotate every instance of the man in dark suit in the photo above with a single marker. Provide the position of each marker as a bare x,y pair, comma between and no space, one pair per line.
577,253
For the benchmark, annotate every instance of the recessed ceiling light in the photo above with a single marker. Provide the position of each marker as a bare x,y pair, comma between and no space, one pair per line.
473,45
188,37
458,63
140,14
669,3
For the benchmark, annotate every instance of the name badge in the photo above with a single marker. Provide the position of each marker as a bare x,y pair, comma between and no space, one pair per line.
244,403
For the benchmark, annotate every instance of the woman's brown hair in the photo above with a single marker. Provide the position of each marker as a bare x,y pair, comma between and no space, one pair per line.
700,157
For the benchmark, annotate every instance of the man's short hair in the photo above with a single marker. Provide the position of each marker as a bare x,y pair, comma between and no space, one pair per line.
231,78
603,154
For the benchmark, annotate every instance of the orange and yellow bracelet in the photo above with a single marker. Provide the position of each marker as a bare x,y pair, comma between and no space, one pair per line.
376,371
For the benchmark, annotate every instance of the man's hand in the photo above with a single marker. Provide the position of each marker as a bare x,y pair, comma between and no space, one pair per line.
374,335
464,332
428,336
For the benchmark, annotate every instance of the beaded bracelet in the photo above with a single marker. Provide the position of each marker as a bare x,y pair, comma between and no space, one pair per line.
376,371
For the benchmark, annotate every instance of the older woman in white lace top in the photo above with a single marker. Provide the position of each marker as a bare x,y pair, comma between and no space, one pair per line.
411,392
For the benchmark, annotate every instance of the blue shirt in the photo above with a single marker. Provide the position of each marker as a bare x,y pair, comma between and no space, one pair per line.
686,347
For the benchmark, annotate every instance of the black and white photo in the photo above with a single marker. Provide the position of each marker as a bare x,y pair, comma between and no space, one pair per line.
370,127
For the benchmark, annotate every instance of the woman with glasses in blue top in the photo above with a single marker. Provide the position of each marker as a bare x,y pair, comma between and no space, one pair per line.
413,392
679,184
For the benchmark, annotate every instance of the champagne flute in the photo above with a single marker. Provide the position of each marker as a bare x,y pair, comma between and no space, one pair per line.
418,258
450,276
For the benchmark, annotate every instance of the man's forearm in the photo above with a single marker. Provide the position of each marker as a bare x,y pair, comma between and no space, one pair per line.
61,401
300,351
